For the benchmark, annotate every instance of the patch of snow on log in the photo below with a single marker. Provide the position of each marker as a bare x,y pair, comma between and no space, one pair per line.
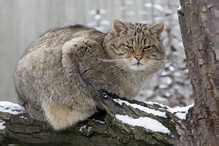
1,125
142,108
147,123
180,112
12,108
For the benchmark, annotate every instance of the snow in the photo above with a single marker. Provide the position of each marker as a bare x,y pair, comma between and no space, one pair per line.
167,80
105,95
89,128
1,125
142,108
186,71
165,73
179,8
180,112
145,122
163,86
171,68
82,127
181,115
12,108
167,94
22,117
155,103
97,17
177,74
99,121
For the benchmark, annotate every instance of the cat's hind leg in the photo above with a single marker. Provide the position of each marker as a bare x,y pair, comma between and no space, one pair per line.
61,117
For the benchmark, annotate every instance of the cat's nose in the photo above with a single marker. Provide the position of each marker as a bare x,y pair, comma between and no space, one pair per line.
138,57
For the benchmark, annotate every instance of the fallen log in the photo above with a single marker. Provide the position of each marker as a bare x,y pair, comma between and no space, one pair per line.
122,123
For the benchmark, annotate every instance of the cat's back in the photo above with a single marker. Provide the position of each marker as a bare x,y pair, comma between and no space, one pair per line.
58,36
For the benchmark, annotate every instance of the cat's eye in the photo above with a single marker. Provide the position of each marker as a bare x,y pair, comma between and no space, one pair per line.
146,48
130,47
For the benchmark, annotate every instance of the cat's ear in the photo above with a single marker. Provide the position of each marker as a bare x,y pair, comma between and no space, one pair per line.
120,27
156,29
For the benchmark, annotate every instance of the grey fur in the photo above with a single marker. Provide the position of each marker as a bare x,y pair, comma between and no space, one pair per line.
61,71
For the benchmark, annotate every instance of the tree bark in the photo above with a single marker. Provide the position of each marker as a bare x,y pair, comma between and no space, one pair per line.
101,129
199,22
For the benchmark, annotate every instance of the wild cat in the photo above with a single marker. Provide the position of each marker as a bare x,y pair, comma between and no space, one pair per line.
60,73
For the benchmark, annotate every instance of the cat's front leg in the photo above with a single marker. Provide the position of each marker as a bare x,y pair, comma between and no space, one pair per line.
75,102
77,51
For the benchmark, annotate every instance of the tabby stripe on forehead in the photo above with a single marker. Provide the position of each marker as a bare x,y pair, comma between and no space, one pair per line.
137,39
135,33
138,28
141,37
142,40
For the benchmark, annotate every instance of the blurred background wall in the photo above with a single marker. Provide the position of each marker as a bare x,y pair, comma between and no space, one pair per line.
22,21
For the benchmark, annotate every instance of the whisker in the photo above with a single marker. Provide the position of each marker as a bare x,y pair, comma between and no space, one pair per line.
111,60
151,64
113,66
165,61
124,65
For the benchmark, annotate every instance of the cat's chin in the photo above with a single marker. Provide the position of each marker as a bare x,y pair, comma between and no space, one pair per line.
137,67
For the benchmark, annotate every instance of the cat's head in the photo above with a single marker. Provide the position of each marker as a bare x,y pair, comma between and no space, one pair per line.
135,46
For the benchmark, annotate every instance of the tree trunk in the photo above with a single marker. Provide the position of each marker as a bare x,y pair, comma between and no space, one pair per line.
199,22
